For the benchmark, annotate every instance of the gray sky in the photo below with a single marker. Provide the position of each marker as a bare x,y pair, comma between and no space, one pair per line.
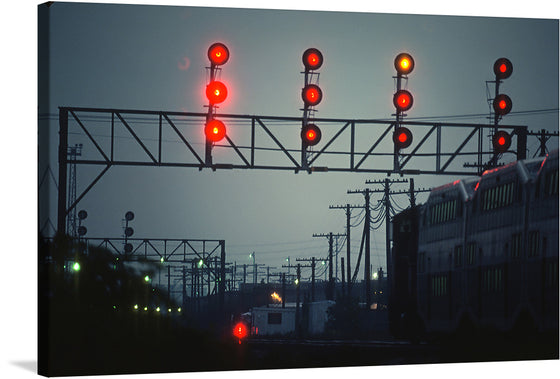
20,87
154,57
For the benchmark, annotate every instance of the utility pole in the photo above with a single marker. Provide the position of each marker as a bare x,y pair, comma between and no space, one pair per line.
347,207
367,231
312,260
330,288
388,207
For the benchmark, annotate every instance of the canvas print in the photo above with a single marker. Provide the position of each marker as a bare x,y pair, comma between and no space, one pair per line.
239,189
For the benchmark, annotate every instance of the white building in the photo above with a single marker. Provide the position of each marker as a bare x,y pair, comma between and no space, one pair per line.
275,320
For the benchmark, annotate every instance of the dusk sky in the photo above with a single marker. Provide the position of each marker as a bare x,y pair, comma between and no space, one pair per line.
154,58
136,57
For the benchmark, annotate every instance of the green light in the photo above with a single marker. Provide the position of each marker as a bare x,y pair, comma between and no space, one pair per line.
145,308
200,263
135,306
147,278
76,266
114,307
162,259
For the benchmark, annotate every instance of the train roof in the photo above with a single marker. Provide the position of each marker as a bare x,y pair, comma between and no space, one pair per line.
526,170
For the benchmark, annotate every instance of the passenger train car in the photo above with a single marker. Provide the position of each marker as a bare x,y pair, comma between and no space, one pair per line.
480,254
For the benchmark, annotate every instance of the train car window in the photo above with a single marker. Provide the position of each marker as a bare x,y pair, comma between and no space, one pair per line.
471,253
533,244
516,245
551,183
458,256
421,262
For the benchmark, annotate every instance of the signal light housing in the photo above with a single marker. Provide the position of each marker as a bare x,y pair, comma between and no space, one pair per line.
311,134
403,100
501,141
216,92
502,104
312,59
218,54
404,63
311,94
215,130
503,68
402,137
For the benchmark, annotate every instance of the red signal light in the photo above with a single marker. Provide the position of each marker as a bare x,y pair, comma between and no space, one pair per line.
402,138
402,100
311,134
311,94
240,331
215,130
216,92
218,53
312,59
404,63
503,68
501,141
502,104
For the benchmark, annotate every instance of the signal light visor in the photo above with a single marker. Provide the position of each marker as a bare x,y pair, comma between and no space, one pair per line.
216,92
218,53
404,63
402,137
502,104
312,59
215,130
402,100
311,134
311,94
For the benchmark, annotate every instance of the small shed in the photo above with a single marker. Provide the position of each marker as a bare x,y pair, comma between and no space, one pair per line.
275,320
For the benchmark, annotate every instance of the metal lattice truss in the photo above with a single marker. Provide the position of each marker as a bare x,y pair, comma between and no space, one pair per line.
200,262
112,137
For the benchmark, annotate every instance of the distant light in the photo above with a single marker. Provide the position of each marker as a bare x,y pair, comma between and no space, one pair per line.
147,278
162,259
158,309
169,310
296,282
76,267
145,308
200,263
276,297
179,309
375,276
135,306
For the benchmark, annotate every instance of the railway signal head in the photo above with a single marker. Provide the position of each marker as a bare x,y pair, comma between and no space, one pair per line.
215,130
311,135
502,104
240,331
218,54
503,68
311,94
216,92
312,59
402,100
404,63
402,138
501,141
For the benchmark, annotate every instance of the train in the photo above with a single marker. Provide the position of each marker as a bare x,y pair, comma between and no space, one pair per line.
480,255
